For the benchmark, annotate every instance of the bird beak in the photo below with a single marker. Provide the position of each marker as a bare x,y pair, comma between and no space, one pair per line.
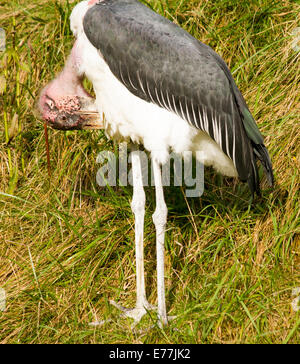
90,120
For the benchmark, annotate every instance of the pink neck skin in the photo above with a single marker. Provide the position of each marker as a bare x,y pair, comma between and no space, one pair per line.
67,85
69,81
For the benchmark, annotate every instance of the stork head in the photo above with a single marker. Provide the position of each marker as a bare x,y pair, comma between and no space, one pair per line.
64,104
68,111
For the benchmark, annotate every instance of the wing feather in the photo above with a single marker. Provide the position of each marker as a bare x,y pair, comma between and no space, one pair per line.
163,64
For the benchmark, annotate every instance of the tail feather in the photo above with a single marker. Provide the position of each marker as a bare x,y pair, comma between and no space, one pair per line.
253,180
261,153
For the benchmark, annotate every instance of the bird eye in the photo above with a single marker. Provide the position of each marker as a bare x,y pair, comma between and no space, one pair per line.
50,103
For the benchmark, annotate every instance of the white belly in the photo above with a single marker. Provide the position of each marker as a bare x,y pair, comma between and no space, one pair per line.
130,118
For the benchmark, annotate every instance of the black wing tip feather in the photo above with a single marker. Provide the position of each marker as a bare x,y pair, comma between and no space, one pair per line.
253,180
260,153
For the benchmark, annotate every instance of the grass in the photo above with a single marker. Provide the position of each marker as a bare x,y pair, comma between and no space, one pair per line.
67,245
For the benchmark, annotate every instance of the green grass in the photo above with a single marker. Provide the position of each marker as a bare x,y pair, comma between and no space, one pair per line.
67,245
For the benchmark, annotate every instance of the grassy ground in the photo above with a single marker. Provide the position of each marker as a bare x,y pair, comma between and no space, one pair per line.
66,245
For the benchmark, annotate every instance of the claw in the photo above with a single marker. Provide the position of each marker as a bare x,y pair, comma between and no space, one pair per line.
135,313
99,323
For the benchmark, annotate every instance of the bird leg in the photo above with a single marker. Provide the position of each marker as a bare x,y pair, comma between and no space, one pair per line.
160,220
138,208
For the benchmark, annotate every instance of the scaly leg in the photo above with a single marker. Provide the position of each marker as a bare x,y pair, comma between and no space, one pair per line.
138,208
160,220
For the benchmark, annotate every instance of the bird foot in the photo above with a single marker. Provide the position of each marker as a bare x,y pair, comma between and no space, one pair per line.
135,313
99,323
138,312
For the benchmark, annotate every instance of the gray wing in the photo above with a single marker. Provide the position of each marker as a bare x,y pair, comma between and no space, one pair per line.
161,63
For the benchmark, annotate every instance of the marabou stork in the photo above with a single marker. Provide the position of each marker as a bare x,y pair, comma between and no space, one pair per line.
161,88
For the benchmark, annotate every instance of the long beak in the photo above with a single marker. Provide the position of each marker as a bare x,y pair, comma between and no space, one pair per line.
90,120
